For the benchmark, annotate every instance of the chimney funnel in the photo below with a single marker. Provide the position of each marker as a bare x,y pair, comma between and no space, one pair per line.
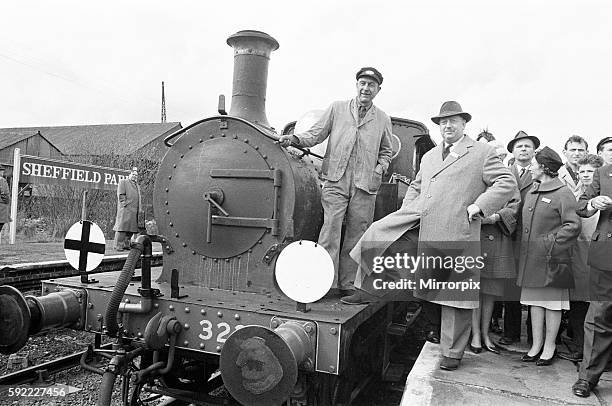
252,51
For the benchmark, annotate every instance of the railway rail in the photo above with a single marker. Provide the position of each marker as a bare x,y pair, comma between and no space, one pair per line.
28,276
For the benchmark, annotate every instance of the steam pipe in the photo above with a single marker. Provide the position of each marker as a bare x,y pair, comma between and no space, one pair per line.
146,303
108,381
142,244
115,367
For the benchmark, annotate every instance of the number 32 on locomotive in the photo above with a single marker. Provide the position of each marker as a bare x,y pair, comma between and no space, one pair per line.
219,331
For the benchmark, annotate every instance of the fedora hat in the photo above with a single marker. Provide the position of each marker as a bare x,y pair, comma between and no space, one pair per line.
451,108
521,135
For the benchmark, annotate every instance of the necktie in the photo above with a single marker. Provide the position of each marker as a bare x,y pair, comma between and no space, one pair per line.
446,151
523,170
362,112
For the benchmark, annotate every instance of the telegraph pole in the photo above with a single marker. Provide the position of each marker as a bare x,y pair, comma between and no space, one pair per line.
163,105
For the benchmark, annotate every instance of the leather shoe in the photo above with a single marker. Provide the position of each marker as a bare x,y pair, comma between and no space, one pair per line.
508,340
582,388
359,297
570,356
433,337
544,362
493,349
529,358
347,292
475,350
449,364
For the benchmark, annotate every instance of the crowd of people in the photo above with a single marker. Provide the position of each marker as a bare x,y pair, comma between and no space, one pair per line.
544,225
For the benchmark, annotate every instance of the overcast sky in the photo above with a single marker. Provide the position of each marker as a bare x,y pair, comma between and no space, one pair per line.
539,66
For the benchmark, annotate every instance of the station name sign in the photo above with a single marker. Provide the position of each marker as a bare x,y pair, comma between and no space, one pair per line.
38,170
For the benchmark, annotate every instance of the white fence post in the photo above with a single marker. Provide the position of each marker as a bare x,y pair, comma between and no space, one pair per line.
15,195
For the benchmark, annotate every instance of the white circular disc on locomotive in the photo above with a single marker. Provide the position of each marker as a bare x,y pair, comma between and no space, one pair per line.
304,271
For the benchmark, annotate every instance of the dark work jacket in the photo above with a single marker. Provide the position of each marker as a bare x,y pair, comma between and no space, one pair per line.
550,229
5,198
600,250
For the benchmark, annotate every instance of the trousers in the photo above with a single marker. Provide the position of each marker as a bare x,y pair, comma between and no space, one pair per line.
122,239
341,200
455,328
597,341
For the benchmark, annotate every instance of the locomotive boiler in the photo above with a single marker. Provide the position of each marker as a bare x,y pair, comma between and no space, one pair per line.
228,199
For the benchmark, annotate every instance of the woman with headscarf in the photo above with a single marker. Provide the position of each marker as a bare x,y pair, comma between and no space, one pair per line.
550,229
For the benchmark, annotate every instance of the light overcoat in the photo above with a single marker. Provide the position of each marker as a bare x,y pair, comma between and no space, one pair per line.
128,206
550,229
471,174
5,198
566,178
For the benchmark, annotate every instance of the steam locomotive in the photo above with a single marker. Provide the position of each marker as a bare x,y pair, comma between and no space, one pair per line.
227,201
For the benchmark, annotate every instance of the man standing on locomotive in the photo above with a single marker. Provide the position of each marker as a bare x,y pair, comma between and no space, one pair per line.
358,154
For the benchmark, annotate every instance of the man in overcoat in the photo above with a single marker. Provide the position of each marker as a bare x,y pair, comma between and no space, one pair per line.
358,154
598,322
5,198
129,210
459,182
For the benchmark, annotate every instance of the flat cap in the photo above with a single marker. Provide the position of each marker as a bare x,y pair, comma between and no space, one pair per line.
370,72
603,141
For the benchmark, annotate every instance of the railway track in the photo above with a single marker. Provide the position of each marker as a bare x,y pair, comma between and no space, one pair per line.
27,276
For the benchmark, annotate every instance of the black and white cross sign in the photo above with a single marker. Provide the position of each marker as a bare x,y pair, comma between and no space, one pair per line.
84,246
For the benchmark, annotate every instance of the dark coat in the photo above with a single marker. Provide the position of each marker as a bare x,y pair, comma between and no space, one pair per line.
128,206
524,184
497,244
550,229
5,198
600,250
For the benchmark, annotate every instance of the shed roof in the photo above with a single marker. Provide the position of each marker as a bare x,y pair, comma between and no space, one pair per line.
121,139
13,135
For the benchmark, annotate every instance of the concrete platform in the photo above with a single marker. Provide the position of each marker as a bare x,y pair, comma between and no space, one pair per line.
490,379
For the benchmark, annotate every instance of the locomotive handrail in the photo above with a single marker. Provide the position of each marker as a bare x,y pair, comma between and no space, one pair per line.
182,130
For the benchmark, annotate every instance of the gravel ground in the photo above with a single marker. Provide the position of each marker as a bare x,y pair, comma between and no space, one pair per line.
49,346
